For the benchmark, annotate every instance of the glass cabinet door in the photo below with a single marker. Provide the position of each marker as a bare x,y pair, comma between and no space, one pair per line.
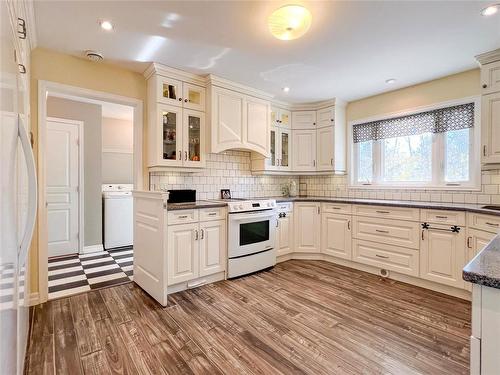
285,118
171,136
194,139
285,149
169,91
193,97
274,156
274,116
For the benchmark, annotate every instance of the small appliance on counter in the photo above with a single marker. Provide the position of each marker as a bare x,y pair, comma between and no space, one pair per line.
181,196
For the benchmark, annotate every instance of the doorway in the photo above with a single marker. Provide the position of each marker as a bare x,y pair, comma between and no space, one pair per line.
63,180
64,199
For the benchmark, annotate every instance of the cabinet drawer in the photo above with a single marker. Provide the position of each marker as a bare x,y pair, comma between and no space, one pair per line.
182,216
443,217
487,223
392,258
391,212
336,208
284,207
391,232
216,213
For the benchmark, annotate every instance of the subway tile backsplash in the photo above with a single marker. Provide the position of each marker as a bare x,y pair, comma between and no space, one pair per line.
231,170
227,170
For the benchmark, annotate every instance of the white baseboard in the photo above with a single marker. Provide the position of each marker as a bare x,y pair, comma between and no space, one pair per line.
34,299
93,248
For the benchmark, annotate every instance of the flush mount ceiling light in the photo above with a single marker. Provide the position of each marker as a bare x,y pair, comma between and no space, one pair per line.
490,10
106,25
390,81
286,89
289,22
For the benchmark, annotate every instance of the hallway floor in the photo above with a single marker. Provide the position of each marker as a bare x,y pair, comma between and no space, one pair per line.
80,273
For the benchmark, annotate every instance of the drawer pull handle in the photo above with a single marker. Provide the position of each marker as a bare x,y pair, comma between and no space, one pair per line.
212,214
492,224
336,208
183,216
381,256
441,217
383,212
381,231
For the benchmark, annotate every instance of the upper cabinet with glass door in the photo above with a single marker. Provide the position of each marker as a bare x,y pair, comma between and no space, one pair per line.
182,94
280,117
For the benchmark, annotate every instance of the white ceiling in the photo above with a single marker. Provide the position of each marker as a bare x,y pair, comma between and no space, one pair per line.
349,52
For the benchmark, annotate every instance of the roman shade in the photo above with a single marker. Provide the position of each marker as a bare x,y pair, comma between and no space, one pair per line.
436,121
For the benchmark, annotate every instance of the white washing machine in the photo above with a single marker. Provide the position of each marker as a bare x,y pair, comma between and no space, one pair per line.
118,215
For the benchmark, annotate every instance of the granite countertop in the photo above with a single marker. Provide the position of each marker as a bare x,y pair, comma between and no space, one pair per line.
197,204
478,208
484,269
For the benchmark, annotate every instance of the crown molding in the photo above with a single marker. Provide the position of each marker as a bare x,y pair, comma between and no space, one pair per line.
230,85
488,57
167,71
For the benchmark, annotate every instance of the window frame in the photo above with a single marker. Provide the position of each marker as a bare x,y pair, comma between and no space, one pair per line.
438,154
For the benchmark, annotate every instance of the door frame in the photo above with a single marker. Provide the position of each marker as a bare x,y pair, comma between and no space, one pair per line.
48,88
81,194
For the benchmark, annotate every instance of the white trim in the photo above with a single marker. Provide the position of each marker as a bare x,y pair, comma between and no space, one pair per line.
475,170
92,249
33,299
81,182
90,96
112,150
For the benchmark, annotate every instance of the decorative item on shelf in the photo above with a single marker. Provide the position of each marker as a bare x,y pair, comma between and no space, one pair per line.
225,193
165,119
285,190
292,188
195,158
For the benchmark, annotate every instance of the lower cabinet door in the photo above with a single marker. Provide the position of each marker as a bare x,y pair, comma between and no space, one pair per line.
213,247
284,235
182,252
307,227
336,235
442,255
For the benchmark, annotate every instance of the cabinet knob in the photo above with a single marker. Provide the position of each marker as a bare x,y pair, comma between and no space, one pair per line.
180,99
185,100
484,85
314,123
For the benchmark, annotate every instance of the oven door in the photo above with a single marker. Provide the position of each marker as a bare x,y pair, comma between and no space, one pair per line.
251,232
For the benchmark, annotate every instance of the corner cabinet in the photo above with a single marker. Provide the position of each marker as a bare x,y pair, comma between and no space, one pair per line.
306,225
176,115
238,121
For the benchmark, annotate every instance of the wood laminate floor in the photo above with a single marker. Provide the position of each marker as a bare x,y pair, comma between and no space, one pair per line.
301,317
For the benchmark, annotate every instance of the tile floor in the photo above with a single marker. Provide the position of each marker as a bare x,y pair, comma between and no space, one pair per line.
80,273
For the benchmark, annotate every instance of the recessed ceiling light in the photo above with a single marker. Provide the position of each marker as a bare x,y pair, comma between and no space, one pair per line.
106,25
490,10
390,81
289,22
286,89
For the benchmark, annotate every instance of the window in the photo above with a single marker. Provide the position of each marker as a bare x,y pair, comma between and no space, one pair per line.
429,149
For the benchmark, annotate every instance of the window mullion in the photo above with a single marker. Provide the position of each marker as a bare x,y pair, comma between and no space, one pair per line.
438,160
377,162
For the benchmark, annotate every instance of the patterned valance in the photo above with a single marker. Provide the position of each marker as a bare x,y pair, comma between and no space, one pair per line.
435,121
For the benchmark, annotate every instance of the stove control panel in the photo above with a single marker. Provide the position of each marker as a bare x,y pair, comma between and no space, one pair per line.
252,205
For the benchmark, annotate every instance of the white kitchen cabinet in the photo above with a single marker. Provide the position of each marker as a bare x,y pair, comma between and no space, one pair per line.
442,255
280,140
212,236
304,150
490,128
490,78
336,235
304,120
281,117
325,117
183,253
324,149
284,235
307,227
177,138
173,91
238,121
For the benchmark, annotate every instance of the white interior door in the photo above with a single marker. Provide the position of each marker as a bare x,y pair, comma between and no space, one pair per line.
62,155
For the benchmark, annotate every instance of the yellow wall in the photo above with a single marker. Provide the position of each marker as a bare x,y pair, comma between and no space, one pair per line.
51,66
456,86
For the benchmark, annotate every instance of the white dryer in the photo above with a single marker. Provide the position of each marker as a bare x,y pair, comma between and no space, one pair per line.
118,215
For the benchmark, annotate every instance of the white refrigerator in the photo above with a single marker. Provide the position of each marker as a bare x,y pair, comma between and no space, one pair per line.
17,201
